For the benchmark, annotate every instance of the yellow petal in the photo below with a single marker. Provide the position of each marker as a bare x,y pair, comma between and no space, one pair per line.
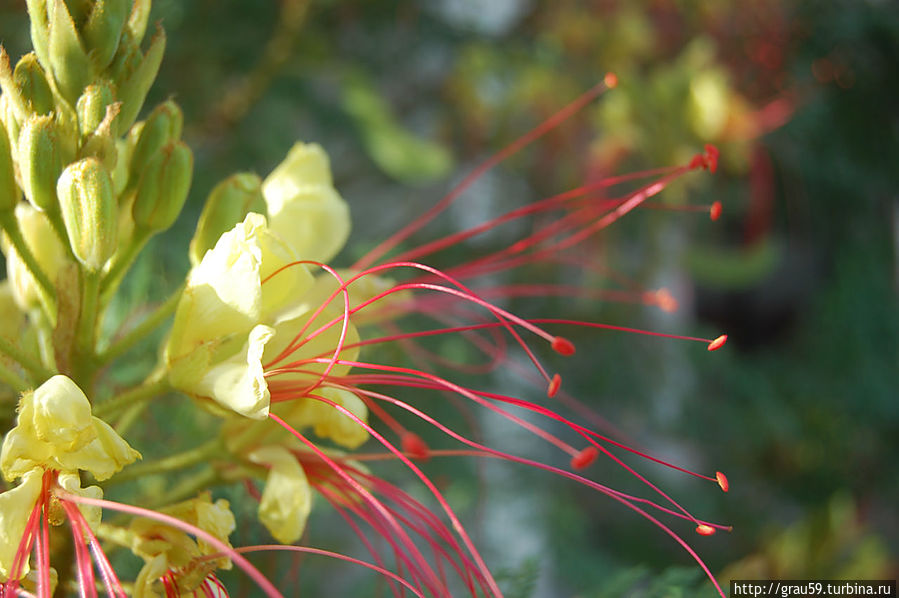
326,420
71,482
59,413
239,383
15,508
287,498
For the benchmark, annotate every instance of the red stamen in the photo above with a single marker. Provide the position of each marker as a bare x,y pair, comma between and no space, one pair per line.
717,343
585,458
611,80
563,346
554,385
705,530
722,481
711,157
715,211
415,446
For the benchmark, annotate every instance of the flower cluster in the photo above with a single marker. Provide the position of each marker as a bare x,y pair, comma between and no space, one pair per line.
268,341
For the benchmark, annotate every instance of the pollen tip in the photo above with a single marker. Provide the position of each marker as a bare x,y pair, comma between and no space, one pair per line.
715,211
563,346
415,446
585,458
554,385
717,343
705,530
611,80
722,481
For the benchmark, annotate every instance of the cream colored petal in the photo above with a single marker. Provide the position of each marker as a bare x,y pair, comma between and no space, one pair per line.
217,519
287,498
306,164
46,248
239,383
15,508
338,426
71,482
22,452
314,222
145,585
60,414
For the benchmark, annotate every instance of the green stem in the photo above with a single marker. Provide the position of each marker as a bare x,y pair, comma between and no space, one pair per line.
120,264
133,396
12,379
188,487
87,322
139,332
48,294
34,367
188,458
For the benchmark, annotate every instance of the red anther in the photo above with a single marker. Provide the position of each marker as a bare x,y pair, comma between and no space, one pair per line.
611,80
665,300
715,211
698,161
711,157
563,346
722,481
705,530
717,343
415,446
554,385
585,458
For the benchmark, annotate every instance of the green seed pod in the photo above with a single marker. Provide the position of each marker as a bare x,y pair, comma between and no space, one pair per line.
91,106
162,127
40,161
163,187
89,212
103,30
228,203
31,82
9,191
68,59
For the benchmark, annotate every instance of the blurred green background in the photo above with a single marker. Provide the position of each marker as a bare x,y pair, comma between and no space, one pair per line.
801,410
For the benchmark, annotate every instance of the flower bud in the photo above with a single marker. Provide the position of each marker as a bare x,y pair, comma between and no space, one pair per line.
9,192
40,161
67,56
103,30
31,82
89,211
46,248
135,84
92,105
228,203
162,127
163,188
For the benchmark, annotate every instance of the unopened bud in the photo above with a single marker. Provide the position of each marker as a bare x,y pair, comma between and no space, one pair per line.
162,127
228,203
163,188
89,211
134,86
46,248
31,82
103,30
137,20
40,161
92,105
68,58
9,191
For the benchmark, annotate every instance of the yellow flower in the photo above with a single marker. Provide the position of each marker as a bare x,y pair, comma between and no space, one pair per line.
165,548
15,508
325,420
287,498
303,206
56,430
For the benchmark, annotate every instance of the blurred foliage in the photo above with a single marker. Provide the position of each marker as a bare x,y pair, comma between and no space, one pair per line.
801,411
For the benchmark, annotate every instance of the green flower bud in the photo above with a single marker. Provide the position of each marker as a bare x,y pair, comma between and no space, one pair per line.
40,161
11,96
162,127
137,20
9,192
163,187
91,106
8,118
228,204
68,58
40,29
89,211
134,87
103,30
32,84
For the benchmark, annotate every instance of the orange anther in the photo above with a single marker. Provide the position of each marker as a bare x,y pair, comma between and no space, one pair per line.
705,530
563,346
554,385
415,446
717,343
722,481
585,458
715,211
